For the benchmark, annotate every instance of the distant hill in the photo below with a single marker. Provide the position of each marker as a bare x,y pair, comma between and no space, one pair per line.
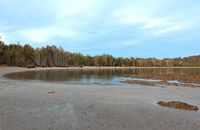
192,59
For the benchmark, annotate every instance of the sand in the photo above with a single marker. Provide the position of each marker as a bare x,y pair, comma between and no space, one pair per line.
28,105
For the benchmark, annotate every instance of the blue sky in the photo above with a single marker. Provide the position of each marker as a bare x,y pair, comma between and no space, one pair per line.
139,28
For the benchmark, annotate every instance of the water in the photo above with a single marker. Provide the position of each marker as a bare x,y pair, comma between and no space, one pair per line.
96,76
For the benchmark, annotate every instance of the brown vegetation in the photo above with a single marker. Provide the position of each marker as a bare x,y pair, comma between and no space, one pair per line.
141,82
178,104
51,92
185,78
157,83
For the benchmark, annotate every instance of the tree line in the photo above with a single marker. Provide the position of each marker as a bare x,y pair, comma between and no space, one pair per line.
49,56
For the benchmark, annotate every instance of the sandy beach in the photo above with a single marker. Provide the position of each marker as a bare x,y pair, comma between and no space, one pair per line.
28,105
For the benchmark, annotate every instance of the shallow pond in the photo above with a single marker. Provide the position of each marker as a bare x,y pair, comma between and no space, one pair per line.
95,76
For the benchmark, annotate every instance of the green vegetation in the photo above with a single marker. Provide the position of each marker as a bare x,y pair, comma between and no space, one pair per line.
17,55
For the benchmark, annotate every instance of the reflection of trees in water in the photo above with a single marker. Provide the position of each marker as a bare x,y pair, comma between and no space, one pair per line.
76,75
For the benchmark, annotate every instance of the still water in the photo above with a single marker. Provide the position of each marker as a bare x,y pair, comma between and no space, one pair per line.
94,76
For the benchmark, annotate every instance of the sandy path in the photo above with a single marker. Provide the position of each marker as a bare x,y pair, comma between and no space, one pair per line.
26,105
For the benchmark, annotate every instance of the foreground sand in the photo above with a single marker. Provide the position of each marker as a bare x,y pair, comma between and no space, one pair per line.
27,105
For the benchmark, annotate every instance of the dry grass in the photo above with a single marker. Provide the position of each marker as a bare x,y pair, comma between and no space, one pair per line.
186,78
179,105
157,83
149,83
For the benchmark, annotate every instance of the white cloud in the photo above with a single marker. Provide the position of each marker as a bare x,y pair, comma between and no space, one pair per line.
131,20
3,37
174,27
129,43
82,23
76,7
43,35
146,20
169,29
149,24
153,23
136,12
120,44
129,16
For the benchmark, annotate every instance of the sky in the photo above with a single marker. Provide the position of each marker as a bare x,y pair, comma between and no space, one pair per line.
122,28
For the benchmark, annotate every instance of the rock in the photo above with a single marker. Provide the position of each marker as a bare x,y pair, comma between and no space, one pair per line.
30,66
51,92
81,66
178,104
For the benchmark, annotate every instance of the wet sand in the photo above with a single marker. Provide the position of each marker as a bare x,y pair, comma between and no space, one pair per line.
28,105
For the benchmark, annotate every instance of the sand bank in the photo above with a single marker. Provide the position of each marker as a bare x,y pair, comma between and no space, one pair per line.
28,105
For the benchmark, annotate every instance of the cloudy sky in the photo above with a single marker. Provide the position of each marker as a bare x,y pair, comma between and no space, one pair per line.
139,28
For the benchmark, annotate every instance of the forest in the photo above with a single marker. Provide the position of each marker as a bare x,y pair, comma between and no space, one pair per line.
50,56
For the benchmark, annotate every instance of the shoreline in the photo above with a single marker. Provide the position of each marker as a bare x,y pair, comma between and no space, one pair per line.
20,69
29,105
93,67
